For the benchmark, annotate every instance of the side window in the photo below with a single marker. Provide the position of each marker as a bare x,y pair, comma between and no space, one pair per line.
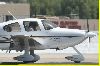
48,25
14,27
9,17
31,26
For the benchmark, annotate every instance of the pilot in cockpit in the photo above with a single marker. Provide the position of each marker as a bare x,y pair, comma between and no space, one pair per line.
33,26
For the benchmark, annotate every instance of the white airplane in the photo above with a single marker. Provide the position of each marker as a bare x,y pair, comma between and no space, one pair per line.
38,34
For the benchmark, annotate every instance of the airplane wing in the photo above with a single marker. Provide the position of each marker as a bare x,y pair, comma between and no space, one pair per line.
17,42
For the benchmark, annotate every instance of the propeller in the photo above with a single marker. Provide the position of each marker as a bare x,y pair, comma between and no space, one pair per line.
88,29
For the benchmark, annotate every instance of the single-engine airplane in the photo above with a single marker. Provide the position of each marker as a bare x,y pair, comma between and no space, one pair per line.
38,34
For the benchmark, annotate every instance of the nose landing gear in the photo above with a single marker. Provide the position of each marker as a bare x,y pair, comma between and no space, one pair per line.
76,58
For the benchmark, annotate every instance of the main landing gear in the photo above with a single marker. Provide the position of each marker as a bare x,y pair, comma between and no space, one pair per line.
76,58
27,57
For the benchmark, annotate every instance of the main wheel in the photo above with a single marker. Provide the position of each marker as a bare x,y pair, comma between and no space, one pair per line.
36,57
28,61
77,61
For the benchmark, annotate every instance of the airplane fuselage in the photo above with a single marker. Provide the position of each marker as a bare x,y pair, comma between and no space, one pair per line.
45,37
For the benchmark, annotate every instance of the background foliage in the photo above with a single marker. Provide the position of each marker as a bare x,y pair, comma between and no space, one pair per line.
83,8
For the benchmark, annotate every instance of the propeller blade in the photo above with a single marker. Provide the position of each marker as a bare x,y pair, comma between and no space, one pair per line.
88,29
89,39
88,25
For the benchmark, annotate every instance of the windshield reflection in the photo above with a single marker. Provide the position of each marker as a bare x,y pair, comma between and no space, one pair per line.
48,24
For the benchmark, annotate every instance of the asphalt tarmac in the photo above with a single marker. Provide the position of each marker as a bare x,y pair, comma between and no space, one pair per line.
48,58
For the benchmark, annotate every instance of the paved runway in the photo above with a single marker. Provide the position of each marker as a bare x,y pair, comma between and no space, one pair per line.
48,58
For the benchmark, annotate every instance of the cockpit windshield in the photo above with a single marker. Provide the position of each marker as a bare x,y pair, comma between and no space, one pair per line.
48,24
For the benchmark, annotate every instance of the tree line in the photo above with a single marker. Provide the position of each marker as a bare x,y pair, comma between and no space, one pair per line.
83,8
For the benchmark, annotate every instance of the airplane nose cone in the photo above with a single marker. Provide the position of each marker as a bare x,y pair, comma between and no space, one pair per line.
91,34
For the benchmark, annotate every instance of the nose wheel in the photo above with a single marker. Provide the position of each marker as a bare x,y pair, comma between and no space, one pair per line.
76,58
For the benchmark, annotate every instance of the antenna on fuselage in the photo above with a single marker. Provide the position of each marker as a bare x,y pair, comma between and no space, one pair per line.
12,15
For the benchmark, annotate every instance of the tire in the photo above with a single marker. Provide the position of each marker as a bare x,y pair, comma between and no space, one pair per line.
36,57
77,61
28,61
